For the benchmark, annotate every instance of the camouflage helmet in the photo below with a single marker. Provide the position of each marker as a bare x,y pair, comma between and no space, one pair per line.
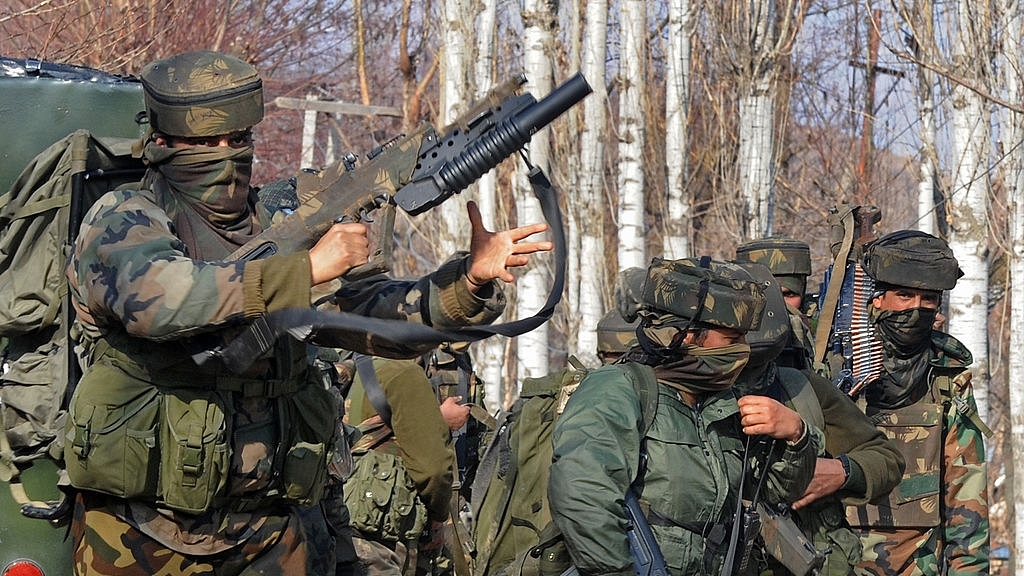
629,291
202,93
912,259
614,334
772,336
712,292
788,259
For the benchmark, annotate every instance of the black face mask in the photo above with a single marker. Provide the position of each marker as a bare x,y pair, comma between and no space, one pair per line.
904,333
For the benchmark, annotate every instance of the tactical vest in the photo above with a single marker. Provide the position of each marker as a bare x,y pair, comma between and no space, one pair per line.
146,423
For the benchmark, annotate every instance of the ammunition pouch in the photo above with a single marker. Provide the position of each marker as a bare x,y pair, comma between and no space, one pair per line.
915,503
175,445
382,500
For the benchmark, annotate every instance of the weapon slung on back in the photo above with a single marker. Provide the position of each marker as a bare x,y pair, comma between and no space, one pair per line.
415,172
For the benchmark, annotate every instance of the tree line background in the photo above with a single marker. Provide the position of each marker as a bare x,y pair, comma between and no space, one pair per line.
712,122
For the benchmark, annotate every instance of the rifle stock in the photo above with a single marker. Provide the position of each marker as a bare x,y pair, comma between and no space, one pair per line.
415,172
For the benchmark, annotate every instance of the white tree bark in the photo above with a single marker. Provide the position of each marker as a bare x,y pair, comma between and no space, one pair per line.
456,93
488,355
533,284
968,207
1013,177
677,100
757,120
926,216
632,130
588,204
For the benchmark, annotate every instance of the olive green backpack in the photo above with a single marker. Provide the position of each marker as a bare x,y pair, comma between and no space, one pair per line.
39,217
511,516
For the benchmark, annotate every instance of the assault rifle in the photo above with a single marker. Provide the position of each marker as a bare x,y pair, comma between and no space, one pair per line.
647,557
414,172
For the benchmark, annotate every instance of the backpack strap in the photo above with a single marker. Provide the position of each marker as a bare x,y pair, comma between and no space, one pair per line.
950,387
646,385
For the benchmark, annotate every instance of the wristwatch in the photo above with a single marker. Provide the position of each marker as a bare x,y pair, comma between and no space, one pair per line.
845,461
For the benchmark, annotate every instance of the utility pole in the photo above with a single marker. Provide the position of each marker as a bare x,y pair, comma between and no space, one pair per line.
871,68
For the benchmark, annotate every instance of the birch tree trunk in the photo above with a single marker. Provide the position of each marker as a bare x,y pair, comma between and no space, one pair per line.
968,206
587,205
456,93
926,109
489,355
632,130
1013,176
539,18
677,100
757,120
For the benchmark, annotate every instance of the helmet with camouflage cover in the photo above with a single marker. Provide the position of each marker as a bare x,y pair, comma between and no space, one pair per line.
616,330
202,93
912,259
771,337
788,259
702,290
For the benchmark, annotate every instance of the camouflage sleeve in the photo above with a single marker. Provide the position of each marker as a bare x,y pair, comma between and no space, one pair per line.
129,269
966,525
421,432
596,455
849,431
439,299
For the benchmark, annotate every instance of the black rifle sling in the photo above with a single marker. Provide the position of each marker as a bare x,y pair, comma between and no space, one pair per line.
371,386
393,338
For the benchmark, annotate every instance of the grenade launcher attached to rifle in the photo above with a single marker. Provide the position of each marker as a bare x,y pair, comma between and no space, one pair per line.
415,172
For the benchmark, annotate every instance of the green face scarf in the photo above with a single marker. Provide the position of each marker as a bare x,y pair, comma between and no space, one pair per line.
700,370
206,192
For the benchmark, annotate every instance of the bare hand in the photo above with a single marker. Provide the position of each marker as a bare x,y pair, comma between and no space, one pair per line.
829,476
341,248
455,415
491,254
763,415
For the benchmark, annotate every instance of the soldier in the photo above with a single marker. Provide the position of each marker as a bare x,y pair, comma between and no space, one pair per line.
790,262
687,467
415,445
936,520
858,463
191,469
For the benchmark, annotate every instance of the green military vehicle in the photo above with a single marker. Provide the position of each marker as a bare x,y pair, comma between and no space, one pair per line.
42,103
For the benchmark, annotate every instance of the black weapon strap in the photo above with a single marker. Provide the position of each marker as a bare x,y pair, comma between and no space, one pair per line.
393,338
372,388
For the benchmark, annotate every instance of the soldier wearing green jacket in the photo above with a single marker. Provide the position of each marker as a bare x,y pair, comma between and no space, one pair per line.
687,467
857,464
936,520
192,469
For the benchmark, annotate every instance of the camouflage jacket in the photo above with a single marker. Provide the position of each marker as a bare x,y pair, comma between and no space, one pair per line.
694,462
960,541
135,287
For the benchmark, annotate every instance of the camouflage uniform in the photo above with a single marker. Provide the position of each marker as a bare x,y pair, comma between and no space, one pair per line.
790,262
421,440
193,469
597,445
936,520
874,464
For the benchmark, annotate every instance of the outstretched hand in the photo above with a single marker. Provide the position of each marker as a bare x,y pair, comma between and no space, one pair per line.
492,254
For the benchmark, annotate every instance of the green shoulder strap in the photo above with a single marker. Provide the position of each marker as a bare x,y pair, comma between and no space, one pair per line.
798,387
947,387
647,390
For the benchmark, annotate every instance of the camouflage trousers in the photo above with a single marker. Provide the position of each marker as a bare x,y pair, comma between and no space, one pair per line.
900,552
297,542
377,558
